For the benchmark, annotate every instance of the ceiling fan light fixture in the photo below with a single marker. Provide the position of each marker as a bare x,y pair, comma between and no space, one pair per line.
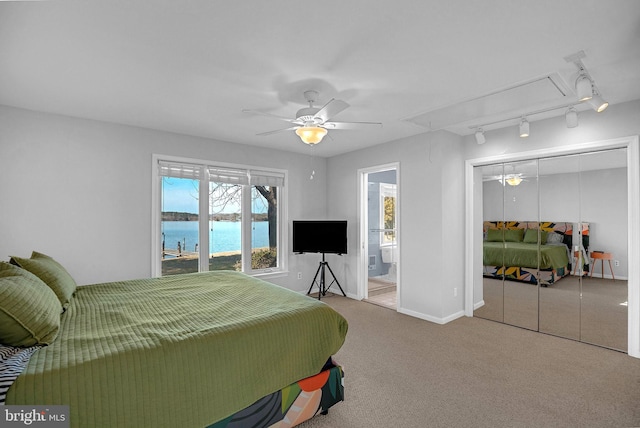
513,180
311,134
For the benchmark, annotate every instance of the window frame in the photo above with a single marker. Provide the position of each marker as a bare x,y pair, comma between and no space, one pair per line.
387,190
245,203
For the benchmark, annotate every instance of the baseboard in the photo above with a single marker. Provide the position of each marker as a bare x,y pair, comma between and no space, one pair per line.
478,305
599,276
430,318
608,276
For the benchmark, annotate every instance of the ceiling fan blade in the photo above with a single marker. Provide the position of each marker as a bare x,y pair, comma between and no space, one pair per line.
350,125
278,131
260,113
330,109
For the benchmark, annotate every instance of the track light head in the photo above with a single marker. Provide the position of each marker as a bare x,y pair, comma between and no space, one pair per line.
480,139
598,104
524,128
571,117
584,87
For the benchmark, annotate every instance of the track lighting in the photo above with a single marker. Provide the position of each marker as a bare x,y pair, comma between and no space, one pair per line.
524,128
597,103
586,91
571,117
584,87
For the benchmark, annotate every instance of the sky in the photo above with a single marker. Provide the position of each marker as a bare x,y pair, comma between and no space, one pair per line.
181,195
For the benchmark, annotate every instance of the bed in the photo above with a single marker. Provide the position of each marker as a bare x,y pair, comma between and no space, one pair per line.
530,252
216,349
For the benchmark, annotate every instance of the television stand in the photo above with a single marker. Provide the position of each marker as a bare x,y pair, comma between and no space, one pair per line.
322,284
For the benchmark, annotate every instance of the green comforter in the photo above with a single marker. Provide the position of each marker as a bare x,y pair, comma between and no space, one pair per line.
178,351
524,255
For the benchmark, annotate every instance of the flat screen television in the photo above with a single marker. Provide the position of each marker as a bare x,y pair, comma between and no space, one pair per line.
320,236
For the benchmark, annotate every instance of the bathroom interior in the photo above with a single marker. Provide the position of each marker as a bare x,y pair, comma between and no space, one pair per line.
382,245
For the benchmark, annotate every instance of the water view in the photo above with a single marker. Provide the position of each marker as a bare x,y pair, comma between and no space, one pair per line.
224,236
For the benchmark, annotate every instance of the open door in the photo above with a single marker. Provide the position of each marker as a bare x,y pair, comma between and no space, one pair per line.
380,251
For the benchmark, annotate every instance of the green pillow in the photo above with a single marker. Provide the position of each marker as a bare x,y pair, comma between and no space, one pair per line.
29,310
494,235
531,236
52,273
513,235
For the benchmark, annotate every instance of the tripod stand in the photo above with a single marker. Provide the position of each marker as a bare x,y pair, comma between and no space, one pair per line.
322,285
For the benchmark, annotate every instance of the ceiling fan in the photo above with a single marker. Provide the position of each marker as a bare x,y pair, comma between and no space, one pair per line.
311,124
513,179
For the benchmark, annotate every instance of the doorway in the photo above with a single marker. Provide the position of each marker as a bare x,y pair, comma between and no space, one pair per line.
379,220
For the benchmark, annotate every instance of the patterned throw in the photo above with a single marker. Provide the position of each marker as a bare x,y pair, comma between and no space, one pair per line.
12,361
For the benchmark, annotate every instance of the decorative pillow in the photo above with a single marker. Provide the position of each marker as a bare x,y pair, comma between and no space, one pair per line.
29,310
494,235
531,236
555,238
513,235
52,273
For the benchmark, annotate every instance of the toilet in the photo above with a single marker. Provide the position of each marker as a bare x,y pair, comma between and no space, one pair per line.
390,255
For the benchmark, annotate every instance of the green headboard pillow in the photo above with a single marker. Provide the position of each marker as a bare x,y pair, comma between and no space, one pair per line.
531,236
51,273
29,310
494,235
513,235
506,235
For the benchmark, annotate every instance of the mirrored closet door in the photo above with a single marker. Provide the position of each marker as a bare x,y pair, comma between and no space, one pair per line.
520,257
555,246
493,241
560,193
603,205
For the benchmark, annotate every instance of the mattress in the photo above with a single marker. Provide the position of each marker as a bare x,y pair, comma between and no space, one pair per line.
184,350
525,255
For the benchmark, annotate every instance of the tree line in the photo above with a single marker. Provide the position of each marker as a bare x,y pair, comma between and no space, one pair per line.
181,216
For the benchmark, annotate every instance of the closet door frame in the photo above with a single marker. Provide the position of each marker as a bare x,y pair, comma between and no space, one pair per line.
473,222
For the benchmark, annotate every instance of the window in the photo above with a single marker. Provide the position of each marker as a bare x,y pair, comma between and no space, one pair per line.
214,217
388,212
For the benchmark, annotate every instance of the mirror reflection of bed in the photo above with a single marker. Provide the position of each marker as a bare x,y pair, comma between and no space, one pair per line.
574,296
528,252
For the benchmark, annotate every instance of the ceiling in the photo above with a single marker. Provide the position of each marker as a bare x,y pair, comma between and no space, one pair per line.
192,67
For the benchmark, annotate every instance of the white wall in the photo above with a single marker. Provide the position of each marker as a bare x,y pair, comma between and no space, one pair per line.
432,196
80,191
431,202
